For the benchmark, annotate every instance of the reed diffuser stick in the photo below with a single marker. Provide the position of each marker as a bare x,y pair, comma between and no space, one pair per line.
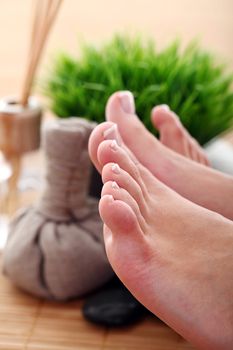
45,13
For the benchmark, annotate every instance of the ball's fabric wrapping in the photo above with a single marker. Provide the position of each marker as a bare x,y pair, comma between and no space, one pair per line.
55,249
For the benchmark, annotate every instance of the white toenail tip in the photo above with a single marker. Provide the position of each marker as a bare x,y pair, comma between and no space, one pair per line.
114,145
127,101
110,197
112,129
115,185
116,168
165,107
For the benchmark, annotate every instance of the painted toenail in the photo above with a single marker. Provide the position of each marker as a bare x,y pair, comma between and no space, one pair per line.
115,185
110,197
127,101
112,134
165,107
114,145
116,169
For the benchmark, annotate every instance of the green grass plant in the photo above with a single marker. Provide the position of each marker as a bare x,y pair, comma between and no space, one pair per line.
191,81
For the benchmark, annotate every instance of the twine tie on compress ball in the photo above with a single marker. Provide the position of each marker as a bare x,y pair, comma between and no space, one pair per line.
67,171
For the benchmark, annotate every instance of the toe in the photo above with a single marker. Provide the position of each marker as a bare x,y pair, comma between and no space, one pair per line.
112,188
193,150
196,152
120,102
202,157
206,160
112,172
96,137
171,130
123,238
118,216
110,152
175,136
120,109
162,114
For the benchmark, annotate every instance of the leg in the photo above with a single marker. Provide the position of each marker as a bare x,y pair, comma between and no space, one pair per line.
173,248
200,184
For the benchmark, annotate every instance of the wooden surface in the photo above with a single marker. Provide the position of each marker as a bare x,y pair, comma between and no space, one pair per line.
32,324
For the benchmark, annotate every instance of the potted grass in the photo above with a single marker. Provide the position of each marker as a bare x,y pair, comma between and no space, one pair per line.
190,81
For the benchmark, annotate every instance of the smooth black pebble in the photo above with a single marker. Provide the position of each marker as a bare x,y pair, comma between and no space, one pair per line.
114,306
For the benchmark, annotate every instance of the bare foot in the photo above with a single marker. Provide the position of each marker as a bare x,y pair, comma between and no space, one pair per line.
175,136
174,256
196,182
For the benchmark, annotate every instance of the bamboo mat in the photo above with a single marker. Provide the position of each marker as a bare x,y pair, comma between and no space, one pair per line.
33,324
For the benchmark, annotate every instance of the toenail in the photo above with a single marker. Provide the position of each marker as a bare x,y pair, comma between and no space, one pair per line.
112,134
116,169
127,101
110,197
115,185
165,107
114,145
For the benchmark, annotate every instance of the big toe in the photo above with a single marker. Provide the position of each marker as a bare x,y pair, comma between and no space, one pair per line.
120,104
162,114
120,109
171,130
174,135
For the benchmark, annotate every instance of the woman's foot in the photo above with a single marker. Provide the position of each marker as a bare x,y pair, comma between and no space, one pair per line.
173,255
196,182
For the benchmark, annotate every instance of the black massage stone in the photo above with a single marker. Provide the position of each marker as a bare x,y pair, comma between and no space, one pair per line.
113,306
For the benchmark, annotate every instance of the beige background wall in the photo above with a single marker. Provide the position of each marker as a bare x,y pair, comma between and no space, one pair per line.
210,20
